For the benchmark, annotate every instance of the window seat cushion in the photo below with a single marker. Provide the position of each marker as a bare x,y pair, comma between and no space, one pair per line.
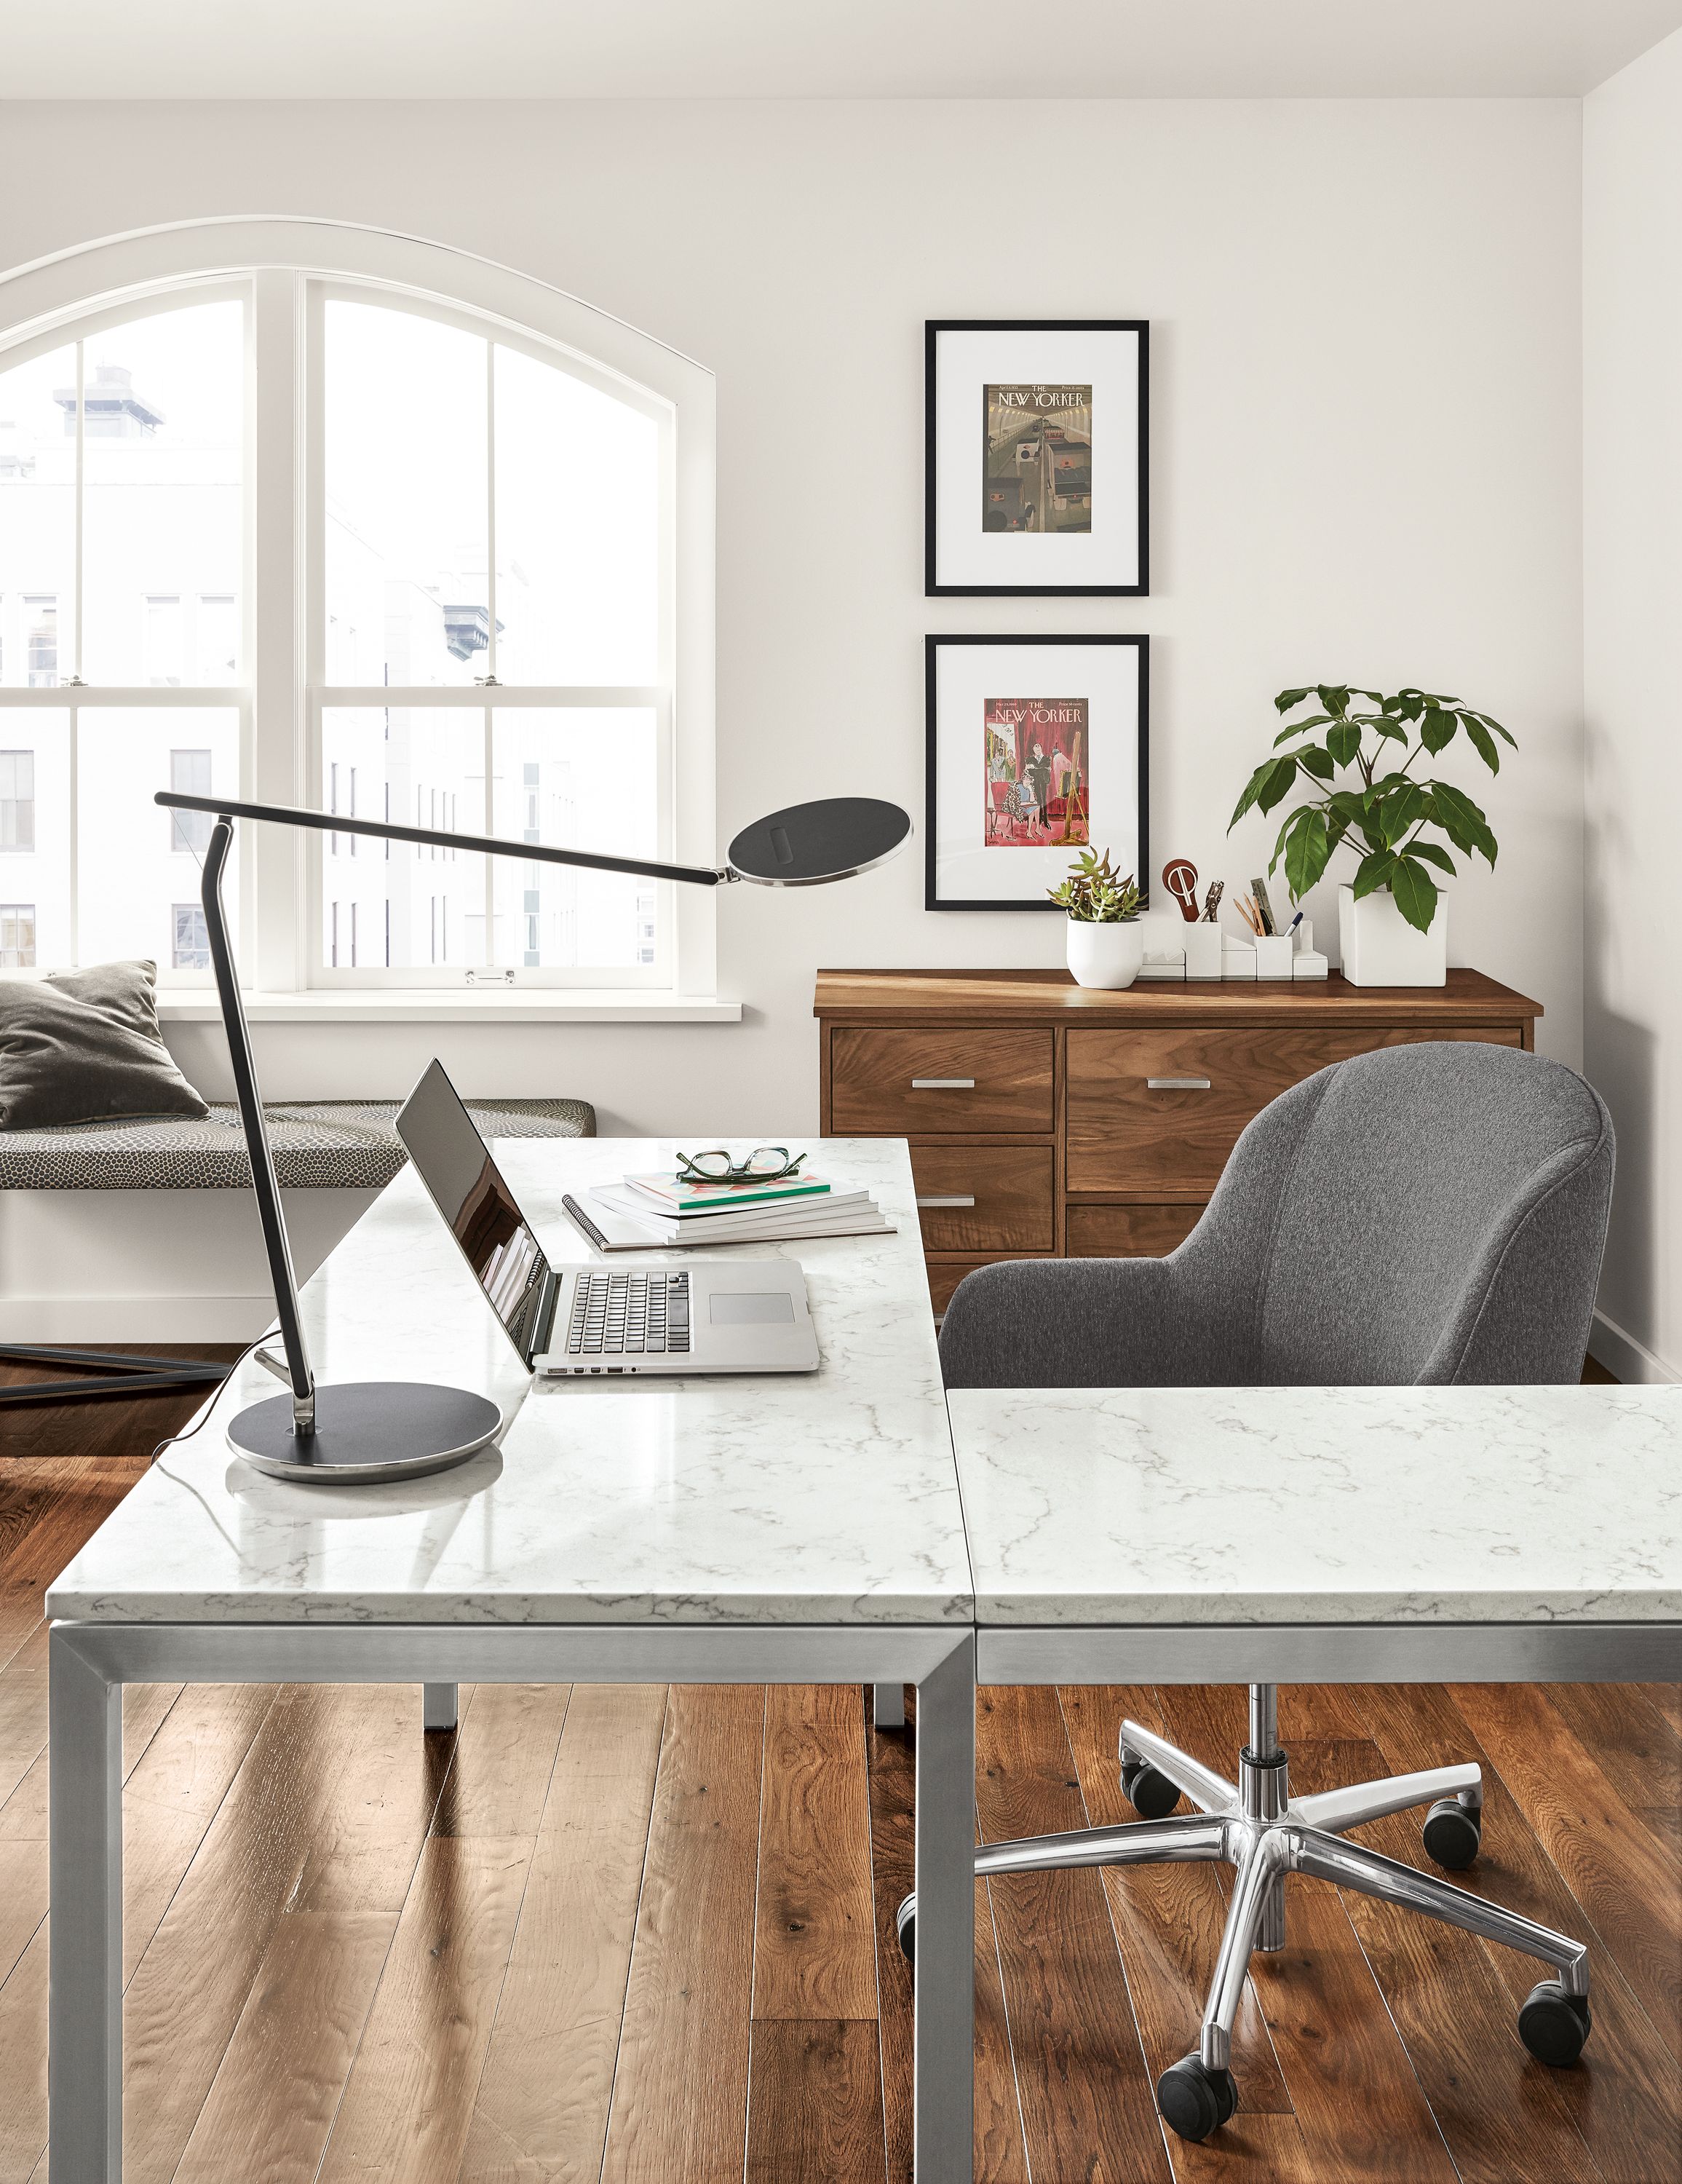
319,1144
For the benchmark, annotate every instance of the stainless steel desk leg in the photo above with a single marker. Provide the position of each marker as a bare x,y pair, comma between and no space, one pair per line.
889,1705
943,2124
85,2014
437,1706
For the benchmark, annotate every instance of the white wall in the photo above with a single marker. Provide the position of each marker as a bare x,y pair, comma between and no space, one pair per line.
1366,334
1632,347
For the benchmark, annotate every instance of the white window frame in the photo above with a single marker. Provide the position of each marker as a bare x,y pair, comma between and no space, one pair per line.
286,269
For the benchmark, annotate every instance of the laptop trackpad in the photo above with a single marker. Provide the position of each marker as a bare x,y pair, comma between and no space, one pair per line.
729,1308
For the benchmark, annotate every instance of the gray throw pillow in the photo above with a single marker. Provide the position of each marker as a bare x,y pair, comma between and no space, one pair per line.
83,1047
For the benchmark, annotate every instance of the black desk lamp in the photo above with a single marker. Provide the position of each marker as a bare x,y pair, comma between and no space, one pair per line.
363,1430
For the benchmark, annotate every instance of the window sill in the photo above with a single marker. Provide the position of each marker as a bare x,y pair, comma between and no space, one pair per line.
602,1005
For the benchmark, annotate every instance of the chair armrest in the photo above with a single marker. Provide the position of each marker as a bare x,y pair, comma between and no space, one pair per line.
1076,1323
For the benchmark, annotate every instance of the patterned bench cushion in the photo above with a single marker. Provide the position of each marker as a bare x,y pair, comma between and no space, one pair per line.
319,1144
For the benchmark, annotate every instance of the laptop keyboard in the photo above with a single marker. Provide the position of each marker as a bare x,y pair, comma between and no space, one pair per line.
629,1315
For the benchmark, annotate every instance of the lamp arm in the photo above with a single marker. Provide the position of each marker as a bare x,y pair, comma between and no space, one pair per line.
490,845
263,1181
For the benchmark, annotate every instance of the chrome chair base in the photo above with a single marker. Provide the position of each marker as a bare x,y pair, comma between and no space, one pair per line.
1255,1826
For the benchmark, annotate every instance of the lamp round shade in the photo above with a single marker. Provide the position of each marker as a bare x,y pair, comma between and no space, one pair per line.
809,844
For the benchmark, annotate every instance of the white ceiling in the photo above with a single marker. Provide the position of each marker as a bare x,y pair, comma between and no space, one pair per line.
819,48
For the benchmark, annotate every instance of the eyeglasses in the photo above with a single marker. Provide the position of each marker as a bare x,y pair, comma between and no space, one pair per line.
764,1164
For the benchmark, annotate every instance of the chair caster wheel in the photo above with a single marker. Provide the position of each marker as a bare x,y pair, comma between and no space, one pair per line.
905,1920
1553,2025
1152,1795
1195,2101
1452,1834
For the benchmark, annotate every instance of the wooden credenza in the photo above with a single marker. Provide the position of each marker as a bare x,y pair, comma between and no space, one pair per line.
1047,1120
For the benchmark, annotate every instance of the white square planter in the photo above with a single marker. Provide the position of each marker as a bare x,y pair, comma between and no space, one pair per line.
1380,948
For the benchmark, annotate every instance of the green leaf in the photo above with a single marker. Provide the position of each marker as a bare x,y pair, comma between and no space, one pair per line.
1306,852
1333,697
1434,854
1461,821
1401,813
1415,893
1316,761
1490,723
1343,740
1301,728
1281,773
1482,741
1408,704
1437,728
1252,789
1287,698
1386,727
1374,872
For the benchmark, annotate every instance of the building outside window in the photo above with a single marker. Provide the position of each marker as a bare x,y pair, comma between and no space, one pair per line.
190,772
17,799
492,531
190,951
16,936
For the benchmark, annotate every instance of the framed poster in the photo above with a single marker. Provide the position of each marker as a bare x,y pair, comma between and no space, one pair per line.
1035,454
1038,749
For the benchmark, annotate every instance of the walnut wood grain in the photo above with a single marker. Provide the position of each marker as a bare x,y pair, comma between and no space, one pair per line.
815,2104
1129,1232
1125,1135
815,1946
891,1080
1011,1186
1027,997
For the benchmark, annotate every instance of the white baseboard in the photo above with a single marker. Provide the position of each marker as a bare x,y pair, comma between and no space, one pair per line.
73,1320
1625,1358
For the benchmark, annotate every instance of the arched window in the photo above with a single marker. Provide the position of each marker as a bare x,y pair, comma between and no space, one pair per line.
319,515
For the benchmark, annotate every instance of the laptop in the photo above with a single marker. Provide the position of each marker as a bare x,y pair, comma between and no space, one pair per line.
709,1316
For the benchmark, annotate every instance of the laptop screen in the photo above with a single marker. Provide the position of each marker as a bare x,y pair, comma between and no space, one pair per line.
479,1209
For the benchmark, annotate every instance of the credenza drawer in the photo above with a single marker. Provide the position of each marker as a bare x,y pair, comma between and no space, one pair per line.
923,1081
1163,1109
1129,1232
984,1198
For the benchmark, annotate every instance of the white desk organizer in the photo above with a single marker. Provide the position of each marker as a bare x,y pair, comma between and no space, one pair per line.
1178,953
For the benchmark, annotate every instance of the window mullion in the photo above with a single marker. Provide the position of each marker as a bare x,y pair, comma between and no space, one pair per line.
280,411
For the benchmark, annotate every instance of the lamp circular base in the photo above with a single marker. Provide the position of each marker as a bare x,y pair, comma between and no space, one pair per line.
367,1431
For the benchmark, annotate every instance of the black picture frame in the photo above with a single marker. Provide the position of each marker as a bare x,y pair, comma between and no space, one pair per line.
933,646
932,329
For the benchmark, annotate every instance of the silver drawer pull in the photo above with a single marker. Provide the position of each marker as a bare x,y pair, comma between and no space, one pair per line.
943,1085
1177,1084
946,1201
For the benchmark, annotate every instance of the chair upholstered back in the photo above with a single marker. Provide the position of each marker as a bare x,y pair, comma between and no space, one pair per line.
1426,1212
1432,1212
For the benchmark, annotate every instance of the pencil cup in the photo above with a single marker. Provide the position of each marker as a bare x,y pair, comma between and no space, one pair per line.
1273,952
1203,944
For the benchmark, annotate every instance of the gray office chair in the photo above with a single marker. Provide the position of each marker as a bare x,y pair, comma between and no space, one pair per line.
1431,1214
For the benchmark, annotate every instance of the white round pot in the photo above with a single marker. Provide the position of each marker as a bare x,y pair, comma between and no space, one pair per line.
1106,955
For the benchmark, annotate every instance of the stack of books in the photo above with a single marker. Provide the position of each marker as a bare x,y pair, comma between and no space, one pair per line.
651,1212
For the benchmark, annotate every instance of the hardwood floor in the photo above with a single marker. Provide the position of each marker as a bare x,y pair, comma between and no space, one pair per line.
647,1935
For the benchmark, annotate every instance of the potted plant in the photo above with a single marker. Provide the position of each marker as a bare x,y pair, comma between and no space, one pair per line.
1105,946
1392,920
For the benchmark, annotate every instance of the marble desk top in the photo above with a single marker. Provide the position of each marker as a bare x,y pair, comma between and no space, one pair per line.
825,1497
1323,1505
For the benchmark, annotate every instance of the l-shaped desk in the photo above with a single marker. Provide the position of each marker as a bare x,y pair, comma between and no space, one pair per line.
811,1529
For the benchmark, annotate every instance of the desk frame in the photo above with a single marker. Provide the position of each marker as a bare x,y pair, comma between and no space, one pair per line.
89,1661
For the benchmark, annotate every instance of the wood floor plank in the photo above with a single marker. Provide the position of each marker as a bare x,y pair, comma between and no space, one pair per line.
328,1812
1625,1881
1505,2119
1348,2075
815,1944
1167,1918
814,2112
408,2107
1630,1740
1089,2109
274,2099
506,1743
679,2113
1000,2155
23,2060
542,2108
23,1899
1666,1697
1625,2097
